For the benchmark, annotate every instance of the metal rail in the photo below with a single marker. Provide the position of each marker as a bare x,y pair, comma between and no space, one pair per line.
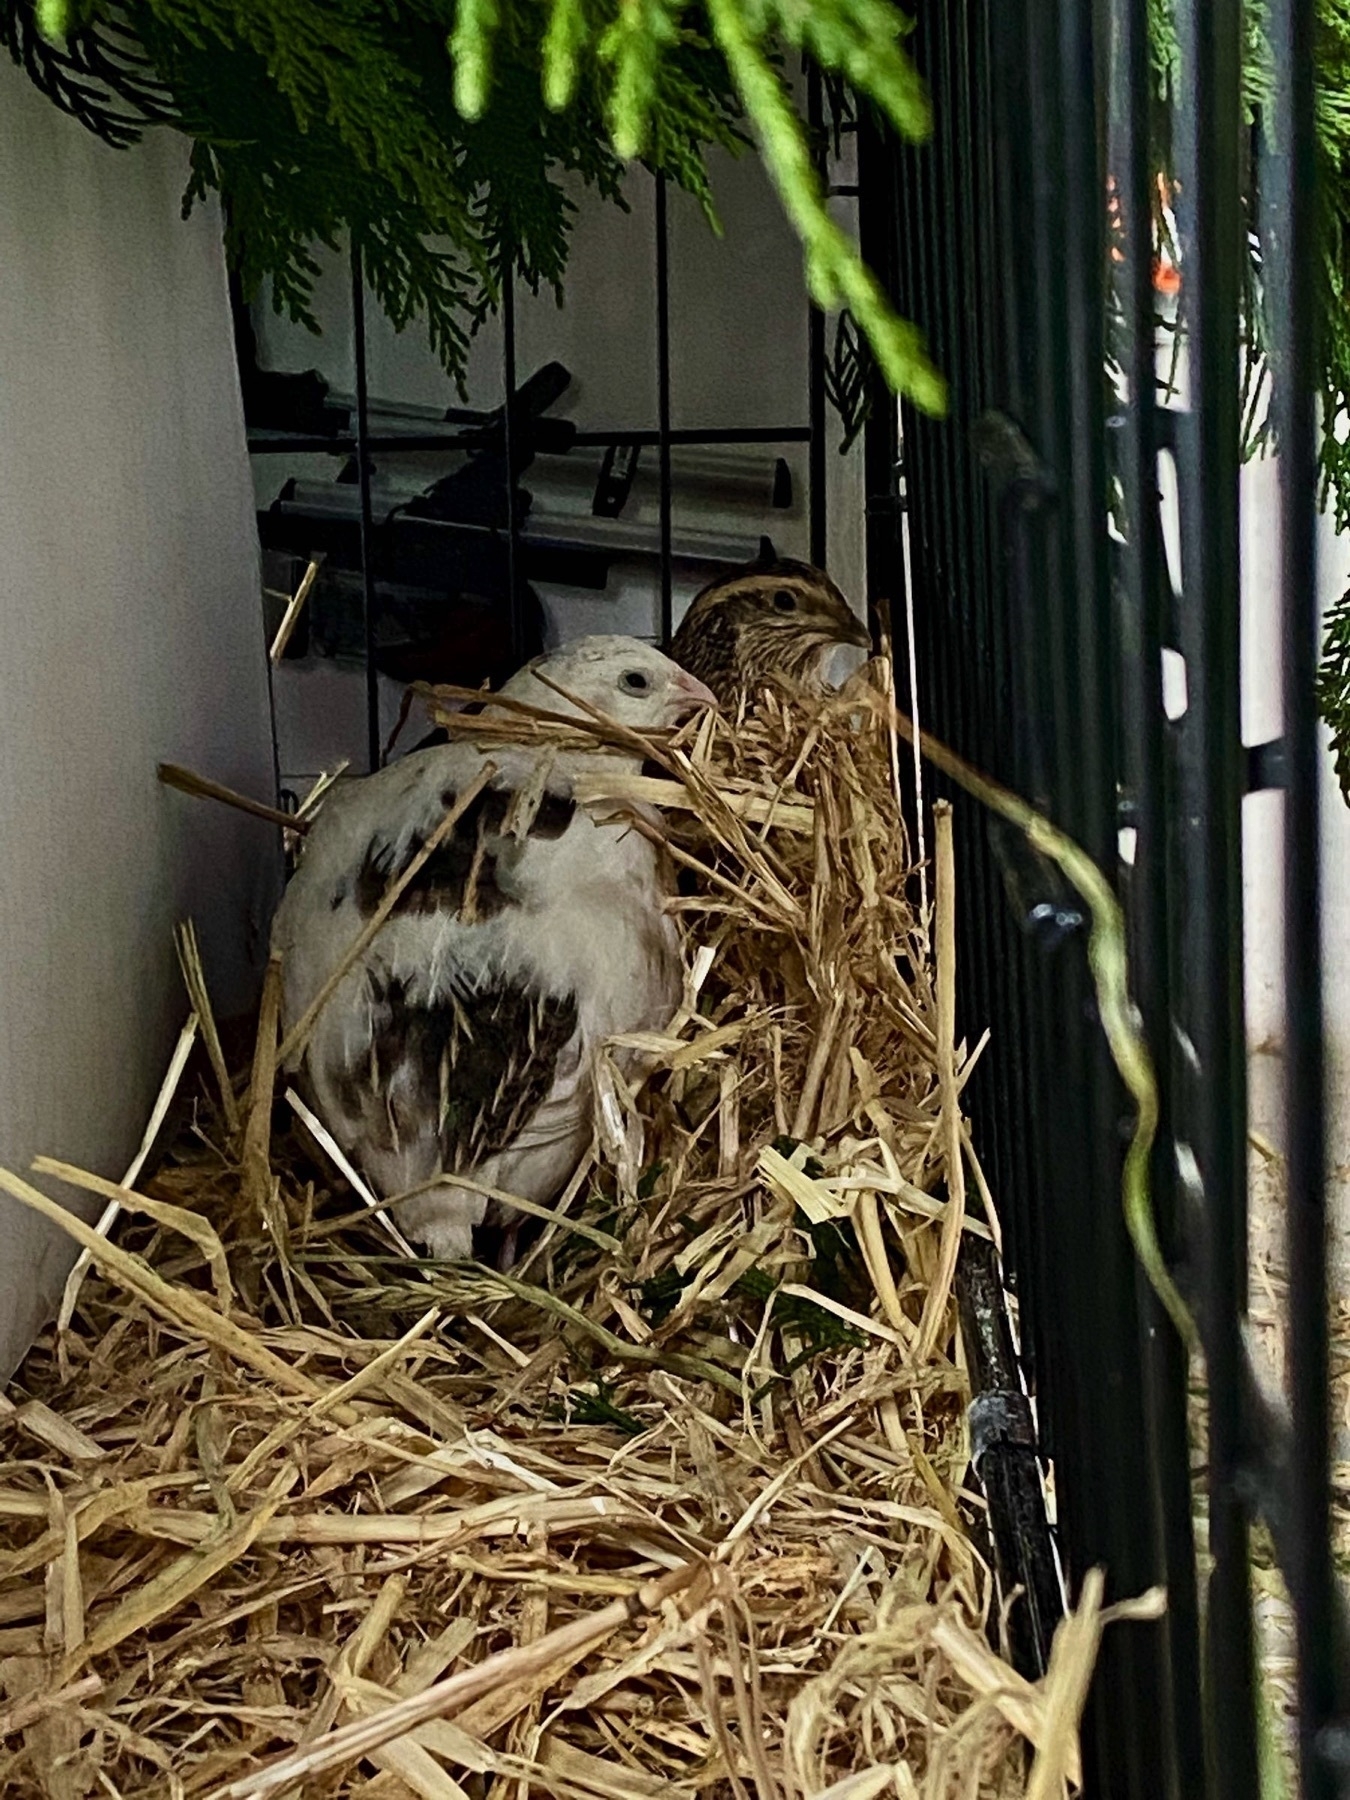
343,443
663,406
515,598
369,596
815,375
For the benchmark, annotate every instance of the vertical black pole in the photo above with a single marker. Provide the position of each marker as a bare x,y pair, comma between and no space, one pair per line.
815,110
515,599
1295,285
1208,138
368,596
1165,1357
878,201
663,403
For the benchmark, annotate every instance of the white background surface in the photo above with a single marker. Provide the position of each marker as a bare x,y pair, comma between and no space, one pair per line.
130,603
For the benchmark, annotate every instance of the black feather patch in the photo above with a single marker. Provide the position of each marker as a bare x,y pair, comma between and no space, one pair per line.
556,812
460,876
470,1071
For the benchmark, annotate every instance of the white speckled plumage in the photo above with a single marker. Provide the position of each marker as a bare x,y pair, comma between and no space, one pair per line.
462,1041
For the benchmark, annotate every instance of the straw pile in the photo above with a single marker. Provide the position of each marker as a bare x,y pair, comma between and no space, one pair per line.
681,1505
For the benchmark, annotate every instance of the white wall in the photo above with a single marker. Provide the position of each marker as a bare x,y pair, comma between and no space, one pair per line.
130,604
1262,847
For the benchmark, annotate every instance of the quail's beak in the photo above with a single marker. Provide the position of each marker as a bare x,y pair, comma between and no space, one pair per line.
856,633
689,695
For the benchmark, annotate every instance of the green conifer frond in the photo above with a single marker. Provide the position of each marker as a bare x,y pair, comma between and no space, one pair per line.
564,41
1333,686
476,23
633,44
439,135
835,273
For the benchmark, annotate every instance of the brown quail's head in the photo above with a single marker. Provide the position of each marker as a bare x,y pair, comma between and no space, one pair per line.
774,621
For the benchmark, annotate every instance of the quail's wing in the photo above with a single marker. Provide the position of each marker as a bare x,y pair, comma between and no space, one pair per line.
370,832
443,1038
443,1082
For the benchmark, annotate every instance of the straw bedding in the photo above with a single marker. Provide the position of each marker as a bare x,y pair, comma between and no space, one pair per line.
679,1506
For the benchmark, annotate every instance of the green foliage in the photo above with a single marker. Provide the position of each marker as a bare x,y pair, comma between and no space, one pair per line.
1332,298
438,135
1333,686
597,1408
659,1294
835,273
1333,135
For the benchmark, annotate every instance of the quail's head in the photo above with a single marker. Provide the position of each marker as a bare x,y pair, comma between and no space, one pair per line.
773,621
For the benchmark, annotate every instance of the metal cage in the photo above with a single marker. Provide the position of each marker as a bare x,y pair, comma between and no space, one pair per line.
513,433
1039,638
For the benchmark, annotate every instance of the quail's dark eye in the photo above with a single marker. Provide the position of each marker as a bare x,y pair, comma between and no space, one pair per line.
784,602
633,681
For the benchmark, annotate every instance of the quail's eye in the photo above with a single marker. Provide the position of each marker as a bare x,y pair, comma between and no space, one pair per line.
784,602
633,681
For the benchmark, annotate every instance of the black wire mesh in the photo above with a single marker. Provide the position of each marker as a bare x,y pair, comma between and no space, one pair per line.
1040,636
464,429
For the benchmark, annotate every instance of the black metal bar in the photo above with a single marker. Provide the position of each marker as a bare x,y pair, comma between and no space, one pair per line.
663,436
1212,1113
1003,1454
581,440
769,434
1164,1357
1294,323
1266,766
513,586
369,599
881,433
815,112
1106,1510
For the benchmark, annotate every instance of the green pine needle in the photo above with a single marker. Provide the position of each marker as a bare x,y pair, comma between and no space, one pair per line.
476,23
441,136
634,46
564,42
835,272
53,19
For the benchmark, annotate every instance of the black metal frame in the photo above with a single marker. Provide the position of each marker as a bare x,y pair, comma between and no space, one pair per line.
463,429
1040,646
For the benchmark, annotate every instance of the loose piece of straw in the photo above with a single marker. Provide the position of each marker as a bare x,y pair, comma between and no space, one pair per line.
201,787
295,606
939,1292
108,1218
